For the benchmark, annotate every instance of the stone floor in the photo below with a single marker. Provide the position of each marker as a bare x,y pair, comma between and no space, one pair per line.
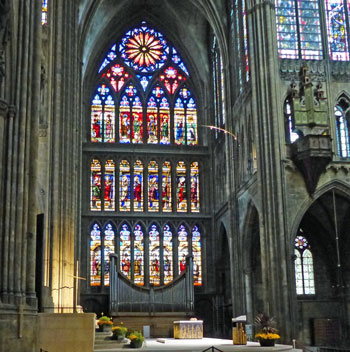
170,344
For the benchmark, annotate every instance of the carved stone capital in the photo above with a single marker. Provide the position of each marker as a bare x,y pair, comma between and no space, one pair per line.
3,108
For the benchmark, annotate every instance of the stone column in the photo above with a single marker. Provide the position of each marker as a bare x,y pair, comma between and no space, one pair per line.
273,234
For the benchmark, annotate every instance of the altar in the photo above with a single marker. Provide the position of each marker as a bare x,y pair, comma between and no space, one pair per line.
188,329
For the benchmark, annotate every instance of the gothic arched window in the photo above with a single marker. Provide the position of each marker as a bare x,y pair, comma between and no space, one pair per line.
304,267
298,29
341,115
143,163
290,134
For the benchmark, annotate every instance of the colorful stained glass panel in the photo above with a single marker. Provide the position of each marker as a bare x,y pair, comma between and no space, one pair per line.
154,256
168,254
108,249
96,119
181,187
153,191
183,248
287,35
197,256
95,256
195,187
138,256
179,122
152,121
109,197
337,32
137,125
166,187
124,186
95,182
109,120
138,186
124,121
125,250
191,123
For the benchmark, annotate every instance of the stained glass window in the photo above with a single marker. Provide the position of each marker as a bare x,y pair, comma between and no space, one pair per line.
183,248
304,270
96,119
154,256
222,89
144,49
153,191
298,29
181,187
168,254
102,116
185,118
109,120
107,250
44,12
195,187
95,256
138,186
166,187
138,255
337,30
95,184
109,176
125,250
171,79
197,259
291,136
124,186
245,39
117,76
143,58
238,44
342,129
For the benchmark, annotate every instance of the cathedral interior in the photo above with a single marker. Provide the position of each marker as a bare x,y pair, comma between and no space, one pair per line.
142,140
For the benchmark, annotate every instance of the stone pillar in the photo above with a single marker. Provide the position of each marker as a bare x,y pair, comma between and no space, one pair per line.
273,234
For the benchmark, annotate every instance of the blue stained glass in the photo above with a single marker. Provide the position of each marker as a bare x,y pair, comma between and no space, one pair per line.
177,60
179,104
112,55
137,102
144,80
151,103
337,33
164,103
124,101
104,64
96,100
103,90
191,104
286,23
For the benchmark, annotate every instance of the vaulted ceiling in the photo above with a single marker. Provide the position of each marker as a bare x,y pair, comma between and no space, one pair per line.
187,23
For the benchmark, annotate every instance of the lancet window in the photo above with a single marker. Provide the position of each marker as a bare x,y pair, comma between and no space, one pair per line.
304,267
155,183
136,264
341,116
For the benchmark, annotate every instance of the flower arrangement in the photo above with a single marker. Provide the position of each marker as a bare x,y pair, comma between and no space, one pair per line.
267,333
119,332
136,339
105,323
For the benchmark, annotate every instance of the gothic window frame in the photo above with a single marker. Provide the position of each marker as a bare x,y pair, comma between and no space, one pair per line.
304,266
291,134
342,126
146,227
296,24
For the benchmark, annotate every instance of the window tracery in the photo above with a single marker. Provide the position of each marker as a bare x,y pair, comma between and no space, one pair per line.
341,115
304,269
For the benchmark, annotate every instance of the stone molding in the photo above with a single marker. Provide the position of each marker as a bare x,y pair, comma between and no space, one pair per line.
290,68
4,107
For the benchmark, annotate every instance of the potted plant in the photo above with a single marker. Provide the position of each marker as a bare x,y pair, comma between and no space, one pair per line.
267,334
119,332
105,323
136,339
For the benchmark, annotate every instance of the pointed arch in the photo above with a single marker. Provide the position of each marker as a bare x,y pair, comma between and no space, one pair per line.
95,254
342,125
139,257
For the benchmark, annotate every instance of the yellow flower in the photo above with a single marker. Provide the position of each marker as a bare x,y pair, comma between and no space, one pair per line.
133,337
267,336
